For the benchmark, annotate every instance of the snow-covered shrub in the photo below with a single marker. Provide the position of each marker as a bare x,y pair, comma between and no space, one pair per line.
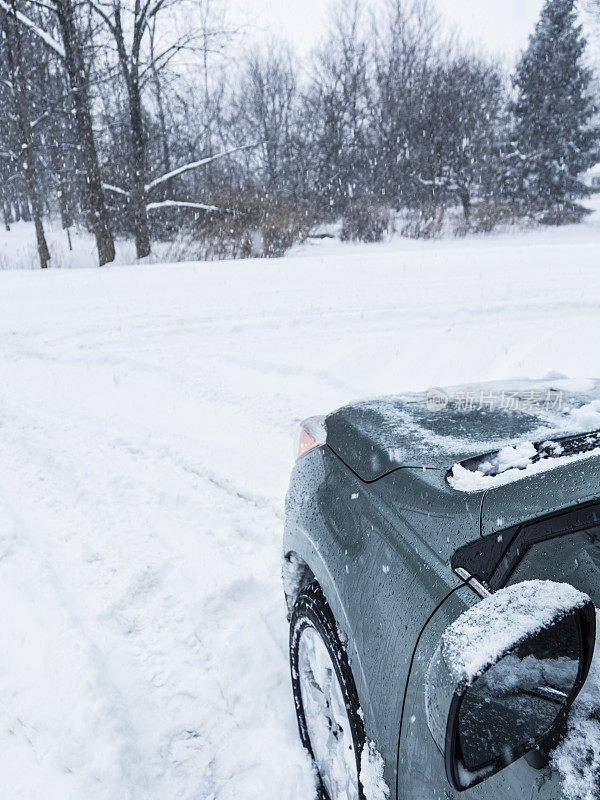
244,227
488,215
365,221
425,222
565,214
282,225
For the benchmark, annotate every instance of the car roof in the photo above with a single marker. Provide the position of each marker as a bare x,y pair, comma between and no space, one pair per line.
441,427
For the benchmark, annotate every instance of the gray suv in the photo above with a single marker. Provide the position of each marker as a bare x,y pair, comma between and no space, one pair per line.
441,566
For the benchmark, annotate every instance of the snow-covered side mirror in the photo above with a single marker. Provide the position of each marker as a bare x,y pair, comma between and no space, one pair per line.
504,676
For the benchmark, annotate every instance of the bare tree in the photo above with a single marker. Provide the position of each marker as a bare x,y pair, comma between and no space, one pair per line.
336,109
14,56
158,94
128,35
460,130
130,23
70,53
98,220
265,108
406,45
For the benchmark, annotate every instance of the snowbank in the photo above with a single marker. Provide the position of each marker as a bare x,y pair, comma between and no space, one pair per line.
146,420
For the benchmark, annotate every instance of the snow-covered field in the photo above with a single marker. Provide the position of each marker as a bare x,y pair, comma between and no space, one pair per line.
146,419
18,249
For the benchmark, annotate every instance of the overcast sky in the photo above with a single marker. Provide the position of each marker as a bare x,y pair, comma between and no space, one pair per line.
502,26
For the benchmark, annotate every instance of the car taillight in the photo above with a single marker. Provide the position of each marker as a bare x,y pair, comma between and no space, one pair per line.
311,434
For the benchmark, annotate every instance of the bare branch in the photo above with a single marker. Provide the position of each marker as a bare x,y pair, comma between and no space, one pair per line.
195,164
164,203
116,189
42,5
182,204
101,13
41,34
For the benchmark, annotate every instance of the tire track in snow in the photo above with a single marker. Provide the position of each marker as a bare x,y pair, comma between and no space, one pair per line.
233,608
165,533
83,721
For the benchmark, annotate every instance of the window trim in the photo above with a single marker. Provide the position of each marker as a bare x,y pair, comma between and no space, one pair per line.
492,560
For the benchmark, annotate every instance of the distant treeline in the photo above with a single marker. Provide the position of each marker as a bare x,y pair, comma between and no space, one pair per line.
156,119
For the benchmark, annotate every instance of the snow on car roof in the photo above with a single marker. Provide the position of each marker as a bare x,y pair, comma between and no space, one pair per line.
441,427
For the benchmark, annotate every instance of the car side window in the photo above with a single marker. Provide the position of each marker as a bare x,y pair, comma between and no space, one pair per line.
573,558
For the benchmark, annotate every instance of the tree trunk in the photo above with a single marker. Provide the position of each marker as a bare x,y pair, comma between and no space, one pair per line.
166,153
6,215
14,57
97,213
138,179
130,66
43,252
465,199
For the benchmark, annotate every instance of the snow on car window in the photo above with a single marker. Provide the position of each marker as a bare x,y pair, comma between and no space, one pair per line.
515,463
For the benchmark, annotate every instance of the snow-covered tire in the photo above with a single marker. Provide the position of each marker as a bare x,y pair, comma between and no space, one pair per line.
312,620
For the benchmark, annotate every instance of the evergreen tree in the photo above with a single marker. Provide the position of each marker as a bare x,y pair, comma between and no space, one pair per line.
555,135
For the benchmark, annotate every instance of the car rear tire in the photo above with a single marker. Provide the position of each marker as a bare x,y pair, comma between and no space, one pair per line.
327,706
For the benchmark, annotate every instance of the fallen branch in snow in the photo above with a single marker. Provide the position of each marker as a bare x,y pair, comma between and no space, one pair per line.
166,203
45,37
434,182
195,164
182,204
39,120
441,182
108,187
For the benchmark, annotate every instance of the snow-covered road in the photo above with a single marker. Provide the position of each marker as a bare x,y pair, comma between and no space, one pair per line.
146,418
